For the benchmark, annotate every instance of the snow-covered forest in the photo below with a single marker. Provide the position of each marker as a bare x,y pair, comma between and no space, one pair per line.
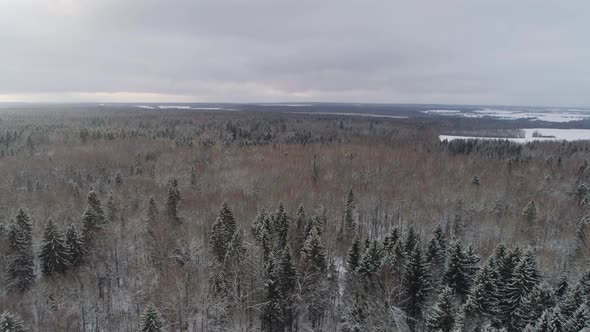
125,219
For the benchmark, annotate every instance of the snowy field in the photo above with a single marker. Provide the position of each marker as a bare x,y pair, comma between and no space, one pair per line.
185,107
542,134
354,114
549,115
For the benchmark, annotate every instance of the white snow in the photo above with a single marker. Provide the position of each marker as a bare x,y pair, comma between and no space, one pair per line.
288,105
180,107
549,115
145,106
550,134
354,114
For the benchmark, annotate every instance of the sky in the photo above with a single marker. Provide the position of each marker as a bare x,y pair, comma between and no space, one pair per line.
501,52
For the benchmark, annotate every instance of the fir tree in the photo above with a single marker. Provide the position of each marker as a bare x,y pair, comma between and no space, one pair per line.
442,317
416,282
151,321
354,256
541,298
55,255
281,226
223,231
562,286
287,285
529,214
482,300
524,279
90,226
74,245
119,178
10,322
272,310
299,231
173,202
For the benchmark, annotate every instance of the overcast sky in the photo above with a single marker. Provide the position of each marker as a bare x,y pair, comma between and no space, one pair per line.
463,52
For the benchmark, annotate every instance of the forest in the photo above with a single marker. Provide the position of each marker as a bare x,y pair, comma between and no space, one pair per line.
115,218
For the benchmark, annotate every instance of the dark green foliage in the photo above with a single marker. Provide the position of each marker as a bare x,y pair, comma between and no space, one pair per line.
411,240
96,206
541,298
281,227
416,282
442,316
10,322
313,256
74,245
354,256
21,268
151,321
371,260
55,255
223,231
348,226
90,226
459,270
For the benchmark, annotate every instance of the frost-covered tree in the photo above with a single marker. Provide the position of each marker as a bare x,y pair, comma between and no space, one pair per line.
348,226
96,206
457,273
10,322
371,261
442,316
354,256
152,211
74,245
416,283
287,278
90,226
151,320
21,267
55,255
281,227
223,231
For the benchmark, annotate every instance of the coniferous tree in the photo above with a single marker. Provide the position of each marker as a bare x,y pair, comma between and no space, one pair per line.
482,299
562,286
312,255
90,226
223,231
272,311
281,226
55,255
456,275
173,201
96,206
348,226
541,298
442,317
299,231
371,260
287,285
74,245
21,268
111,208
10,322
411,240
417,283
524,279
354,256
151,321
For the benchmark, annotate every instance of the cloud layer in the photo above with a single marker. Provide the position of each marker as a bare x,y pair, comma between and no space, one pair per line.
478,52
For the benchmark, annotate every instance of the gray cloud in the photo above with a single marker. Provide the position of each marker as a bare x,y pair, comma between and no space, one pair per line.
498,52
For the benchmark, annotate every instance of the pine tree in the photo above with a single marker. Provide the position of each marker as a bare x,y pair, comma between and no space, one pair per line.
173,202
151,320
299,237
223,231
354,256
10,322
152,211
74,245
524,279
579,320
541,298
562,286
272,310
442,317
55,255
482,300
416,282
21,268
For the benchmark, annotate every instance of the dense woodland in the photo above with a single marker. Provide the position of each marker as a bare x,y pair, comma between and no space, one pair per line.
126,219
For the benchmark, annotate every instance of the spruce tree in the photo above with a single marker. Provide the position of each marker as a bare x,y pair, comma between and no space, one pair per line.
74,245
96,206
482,300
524,279
354,256
272,310
416,283
442,317
562,286
287,285
281,226
90,226
371,260
313,255
456,275
299,231
411,240
111,208
541,298
55,255
348,226
151,321
10,322
21,268
223,231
